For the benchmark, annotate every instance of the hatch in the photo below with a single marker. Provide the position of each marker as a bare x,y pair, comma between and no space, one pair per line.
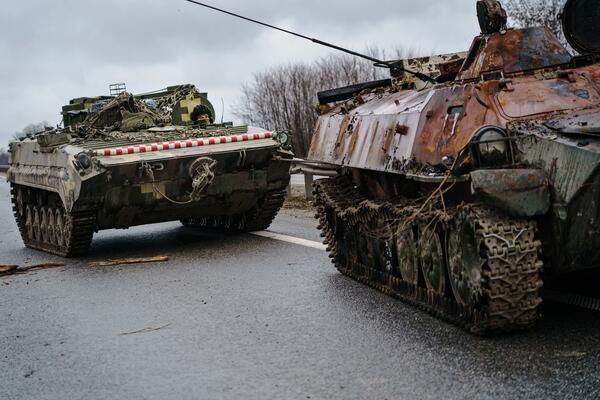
531,97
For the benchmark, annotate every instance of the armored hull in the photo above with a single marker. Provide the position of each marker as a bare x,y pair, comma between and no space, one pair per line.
454,196
69,183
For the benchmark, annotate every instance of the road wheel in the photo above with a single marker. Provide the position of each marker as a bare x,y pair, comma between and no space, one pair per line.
44,224
20,202
37,230
407,255
67,230
431,257
51,226
59,222
465,263
29,222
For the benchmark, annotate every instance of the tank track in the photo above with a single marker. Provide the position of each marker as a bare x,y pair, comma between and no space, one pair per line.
45,225
361,236
257,218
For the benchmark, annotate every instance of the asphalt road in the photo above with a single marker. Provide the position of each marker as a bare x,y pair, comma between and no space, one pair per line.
245,317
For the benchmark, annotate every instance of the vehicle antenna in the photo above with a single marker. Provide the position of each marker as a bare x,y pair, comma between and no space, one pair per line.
223,110
377,63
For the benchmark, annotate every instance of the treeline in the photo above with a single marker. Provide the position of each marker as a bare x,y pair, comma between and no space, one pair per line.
285,97
527,13
31,129
3,157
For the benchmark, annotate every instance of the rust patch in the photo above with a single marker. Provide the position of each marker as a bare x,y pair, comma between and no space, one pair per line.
354,139
513,51
389,137
341,138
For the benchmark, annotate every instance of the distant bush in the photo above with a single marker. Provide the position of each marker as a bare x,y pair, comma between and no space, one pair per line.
530,13
3,157
31,129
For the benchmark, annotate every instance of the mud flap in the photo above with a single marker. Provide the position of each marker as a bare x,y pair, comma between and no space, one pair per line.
518,192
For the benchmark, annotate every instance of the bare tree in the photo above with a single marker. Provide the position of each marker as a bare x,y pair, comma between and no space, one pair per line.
529,13
31,129
281,98
285,97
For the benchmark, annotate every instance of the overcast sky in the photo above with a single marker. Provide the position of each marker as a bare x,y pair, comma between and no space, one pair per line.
52,51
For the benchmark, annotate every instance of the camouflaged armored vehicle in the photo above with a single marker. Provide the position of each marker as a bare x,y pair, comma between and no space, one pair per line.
125,160
460,196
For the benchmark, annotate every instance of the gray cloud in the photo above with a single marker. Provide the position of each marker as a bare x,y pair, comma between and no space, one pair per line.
54,51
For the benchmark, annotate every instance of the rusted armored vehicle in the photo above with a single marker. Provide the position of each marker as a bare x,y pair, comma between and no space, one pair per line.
460,194
123,160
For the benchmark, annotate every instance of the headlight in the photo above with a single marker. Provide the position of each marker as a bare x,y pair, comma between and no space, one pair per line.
84,160
282,137
491,140
490,146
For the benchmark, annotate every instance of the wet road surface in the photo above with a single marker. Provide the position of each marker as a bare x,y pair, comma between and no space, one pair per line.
246,317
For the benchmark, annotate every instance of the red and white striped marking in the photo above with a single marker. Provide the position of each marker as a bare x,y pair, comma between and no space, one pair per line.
183,144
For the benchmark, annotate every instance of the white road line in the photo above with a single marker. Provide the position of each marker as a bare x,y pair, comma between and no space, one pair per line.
291,239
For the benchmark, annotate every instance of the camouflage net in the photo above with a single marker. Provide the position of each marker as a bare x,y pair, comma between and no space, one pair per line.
126,114
165,105
130,119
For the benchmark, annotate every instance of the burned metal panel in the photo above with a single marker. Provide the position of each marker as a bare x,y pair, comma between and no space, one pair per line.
438,67
444,118
528,96
451,118
591,74
568,164
518,192
378,135
576,124
571,162
582,228
380,140
392,130
513,51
